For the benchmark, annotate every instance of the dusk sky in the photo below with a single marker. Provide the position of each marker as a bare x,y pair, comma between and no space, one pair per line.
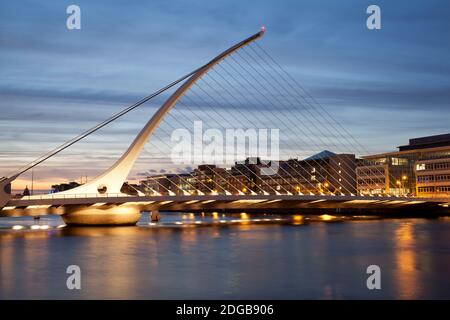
385,86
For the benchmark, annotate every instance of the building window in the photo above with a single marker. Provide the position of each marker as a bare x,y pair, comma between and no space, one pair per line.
420,166
399,161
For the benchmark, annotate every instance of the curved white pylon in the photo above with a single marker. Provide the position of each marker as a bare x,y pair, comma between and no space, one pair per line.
111,180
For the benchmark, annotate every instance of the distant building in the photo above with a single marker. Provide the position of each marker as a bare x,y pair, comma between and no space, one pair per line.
210,178
246,175
64,186
385,174
131,189
156,185
26,191
432,167
166,184
182,184
325,172
421,168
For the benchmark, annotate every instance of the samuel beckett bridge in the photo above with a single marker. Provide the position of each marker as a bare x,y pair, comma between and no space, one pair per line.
245,90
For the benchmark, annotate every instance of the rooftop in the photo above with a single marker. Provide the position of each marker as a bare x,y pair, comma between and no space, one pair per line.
441,140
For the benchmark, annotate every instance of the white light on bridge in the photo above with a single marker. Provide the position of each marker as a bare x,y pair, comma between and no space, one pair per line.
17,227
248,201
99,204
361,201
8,208
44,227
326,217
396,201
35,227
146,202
61,226
272,201
316,201
44,206
415,202
208,201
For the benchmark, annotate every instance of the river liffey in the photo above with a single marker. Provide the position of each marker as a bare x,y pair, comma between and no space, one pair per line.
217,256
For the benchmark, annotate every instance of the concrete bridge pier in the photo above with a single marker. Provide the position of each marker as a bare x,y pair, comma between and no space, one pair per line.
155,216
113,215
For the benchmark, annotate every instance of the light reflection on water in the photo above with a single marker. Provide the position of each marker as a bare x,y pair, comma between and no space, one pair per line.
228,256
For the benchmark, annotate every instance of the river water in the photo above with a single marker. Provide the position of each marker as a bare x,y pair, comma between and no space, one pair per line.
227,257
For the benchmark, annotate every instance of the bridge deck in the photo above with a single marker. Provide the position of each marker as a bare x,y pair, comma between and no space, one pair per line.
56,205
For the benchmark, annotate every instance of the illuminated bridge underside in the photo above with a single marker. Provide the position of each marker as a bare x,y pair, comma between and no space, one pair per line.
257,203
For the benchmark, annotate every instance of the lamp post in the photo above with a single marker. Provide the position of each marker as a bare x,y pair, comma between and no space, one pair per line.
399,185
404,178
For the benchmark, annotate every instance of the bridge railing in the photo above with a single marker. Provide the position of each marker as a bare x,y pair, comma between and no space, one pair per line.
76,196
123,195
